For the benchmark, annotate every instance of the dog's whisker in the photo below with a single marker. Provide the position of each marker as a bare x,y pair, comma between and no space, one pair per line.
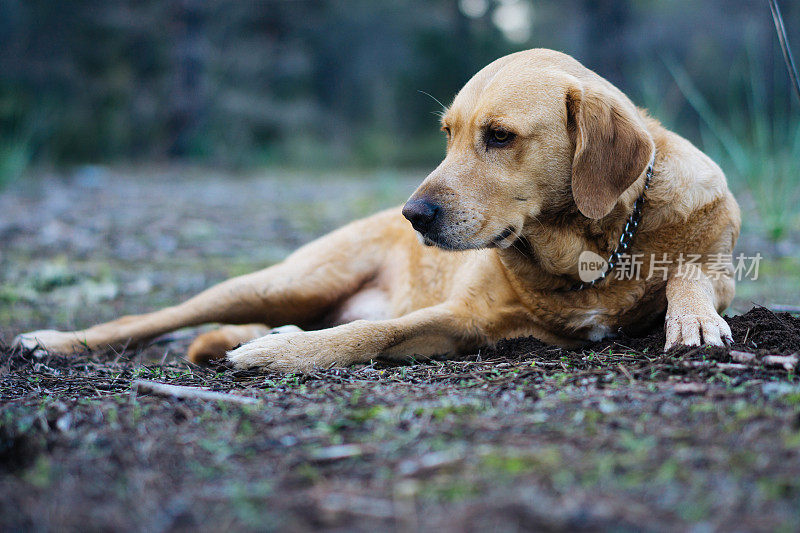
536,219
444,108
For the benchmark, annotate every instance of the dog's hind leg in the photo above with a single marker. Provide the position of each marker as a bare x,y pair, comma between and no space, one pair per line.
214,344
299,290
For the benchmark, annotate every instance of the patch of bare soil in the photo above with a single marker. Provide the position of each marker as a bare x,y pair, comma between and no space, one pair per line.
618,435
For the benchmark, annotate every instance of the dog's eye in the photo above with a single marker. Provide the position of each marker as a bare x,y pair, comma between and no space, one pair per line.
446,131
499,137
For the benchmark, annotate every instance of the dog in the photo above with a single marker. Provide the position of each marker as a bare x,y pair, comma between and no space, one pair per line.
546,162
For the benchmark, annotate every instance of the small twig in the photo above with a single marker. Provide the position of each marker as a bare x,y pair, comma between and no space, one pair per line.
625,371
731,366
697,364
626,347
742,357
338,451
429,462
788,362
193,393
690,388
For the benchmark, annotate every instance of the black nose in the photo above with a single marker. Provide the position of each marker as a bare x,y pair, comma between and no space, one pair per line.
421,214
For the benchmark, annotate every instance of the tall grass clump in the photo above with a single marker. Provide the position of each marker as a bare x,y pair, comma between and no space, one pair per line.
758,145
16,139
15,156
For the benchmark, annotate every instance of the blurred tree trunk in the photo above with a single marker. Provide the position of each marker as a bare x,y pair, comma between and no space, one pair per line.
463,36
188,96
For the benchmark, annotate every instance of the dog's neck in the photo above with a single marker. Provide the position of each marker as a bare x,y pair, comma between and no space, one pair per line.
545,258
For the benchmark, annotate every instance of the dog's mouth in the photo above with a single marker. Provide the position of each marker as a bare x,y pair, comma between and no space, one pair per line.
429,241
506,238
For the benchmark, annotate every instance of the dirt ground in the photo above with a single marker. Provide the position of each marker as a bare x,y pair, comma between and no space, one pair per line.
616,436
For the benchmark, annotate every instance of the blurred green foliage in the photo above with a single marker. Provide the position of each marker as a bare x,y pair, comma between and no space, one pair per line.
758,144
342,83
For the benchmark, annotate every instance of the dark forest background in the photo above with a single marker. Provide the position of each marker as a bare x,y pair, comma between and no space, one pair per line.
338,82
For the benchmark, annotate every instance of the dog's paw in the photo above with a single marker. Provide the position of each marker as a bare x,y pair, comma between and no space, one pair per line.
46,341
287,352
694,330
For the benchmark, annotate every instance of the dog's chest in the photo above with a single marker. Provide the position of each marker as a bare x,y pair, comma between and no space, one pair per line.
570,320
367,304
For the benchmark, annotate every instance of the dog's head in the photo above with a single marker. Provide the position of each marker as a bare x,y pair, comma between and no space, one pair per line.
529,132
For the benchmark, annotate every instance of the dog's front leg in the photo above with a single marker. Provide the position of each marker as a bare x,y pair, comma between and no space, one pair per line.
693,302
429,331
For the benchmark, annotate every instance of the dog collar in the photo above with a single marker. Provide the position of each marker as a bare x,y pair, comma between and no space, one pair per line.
625,240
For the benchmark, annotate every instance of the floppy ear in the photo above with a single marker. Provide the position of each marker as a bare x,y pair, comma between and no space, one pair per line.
612,148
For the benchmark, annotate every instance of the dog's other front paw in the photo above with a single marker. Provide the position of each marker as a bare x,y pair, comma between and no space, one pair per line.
47,341
287,352
694,330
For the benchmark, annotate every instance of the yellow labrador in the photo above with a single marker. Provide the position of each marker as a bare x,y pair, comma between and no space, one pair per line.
546,162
